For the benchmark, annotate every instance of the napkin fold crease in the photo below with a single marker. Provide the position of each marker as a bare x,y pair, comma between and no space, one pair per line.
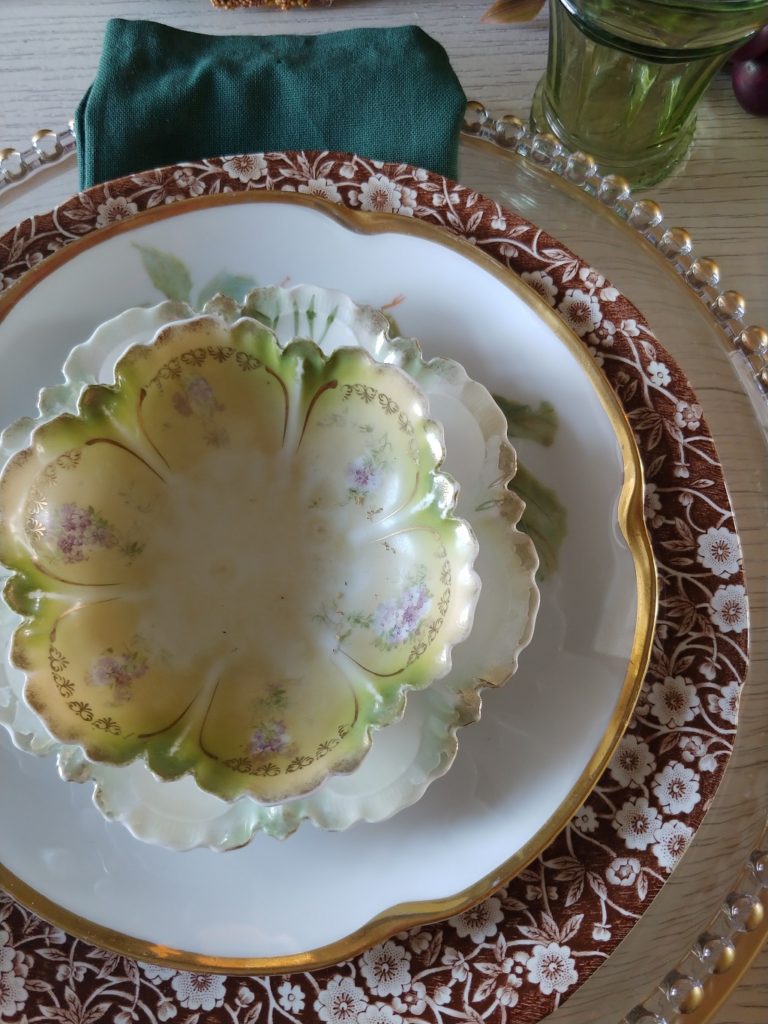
163,95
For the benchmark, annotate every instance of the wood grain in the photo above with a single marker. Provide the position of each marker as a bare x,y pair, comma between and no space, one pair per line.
48,53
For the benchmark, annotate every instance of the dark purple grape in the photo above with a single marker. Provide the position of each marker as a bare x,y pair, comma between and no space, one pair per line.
750,84
755,47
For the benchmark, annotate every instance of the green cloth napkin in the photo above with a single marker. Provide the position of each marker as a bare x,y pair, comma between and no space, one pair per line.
162,95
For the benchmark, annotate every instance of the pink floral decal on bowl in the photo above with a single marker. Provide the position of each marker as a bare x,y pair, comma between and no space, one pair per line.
270,733
270,737
80,528
196,398
399,621
120,671
365,474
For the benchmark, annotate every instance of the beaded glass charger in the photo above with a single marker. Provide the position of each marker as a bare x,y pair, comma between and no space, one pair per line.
560,919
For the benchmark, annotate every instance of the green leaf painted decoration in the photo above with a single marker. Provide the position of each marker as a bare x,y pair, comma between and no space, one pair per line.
537,423
544,520
167,273
234,286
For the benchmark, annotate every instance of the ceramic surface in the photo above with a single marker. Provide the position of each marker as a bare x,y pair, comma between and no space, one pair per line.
408,756
482,460
543,739
134,526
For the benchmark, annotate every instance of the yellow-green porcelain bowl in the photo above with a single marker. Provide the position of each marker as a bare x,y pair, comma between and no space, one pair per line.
236,561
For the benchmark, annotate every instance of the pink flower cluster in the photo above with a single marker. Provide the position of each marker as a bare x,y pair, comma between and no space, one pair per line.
80,528
196,398
269,737
396,621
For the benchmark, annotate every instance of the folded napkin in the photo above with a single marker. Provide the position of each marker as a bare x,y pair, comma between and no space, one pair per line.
162,95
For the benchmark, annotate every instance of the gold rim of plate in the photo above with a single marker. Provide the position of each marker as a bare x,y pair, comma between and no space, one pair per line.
631,522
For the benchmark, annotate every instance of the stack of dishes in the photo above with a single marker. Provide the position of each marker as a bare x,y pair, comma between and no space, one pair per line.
264,557
235,542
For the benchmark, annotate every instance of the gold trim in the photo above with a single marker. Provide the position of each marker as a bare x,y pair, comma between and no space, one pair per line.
719,987
632,524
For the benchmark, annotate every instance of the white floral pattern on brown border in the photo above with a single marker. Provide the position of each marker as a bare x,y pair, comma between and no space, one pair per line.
533,943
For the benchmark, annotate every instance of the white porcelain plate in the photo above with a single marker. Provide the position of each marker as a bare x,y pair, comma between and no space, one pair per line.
542,740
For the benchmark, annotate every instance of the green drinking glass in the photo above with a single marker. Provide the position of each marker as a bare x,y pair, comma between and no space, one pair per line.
624,77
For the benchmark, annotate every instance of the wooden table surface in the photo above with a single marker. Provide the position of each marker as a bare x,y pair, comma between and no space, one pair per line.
49,51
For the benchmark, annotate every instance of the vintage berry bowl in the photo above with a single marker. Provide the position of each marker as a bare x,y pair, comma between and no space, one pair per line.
236,561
